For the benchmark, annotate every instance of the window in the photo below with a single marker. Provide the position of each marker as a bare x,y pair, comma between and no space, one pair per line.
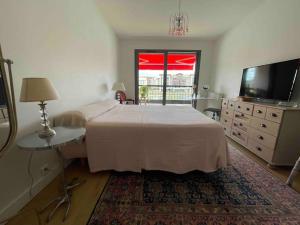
166,76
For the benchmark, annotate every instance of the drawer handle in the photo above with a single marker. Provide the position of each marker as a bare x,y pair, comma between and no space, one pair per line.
225,121
239,133
247,109
258,111
239,107
259,149
224,128
231,105
263,125
261,137
234,124
274,114
233,133
227,113
241,124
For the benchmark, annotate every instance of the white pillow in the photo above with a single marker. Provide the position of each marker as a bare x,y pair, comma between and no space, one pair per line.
78,118
96,109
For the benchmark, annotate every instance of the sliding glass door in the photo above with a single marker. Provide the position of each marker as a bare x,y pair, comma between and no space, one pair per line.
151,77
166,76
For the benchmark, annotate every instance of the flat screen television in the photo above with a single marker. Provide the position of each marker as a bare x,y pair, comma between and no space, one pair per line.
272,81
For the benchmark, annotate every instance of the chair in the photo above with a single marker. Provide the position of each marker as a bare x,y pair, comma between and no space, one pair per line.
216,112
210,102
121,96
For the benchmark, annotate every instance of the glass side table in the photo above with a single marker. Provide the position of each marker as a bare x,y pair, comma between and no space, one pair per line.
63,136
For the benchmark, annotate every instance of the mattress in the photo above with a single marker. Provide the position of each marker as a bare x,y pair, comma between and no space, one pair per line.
171,138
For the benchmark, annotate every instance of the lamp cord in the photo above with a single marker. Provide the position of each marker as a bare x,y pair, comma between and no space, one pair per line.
30,174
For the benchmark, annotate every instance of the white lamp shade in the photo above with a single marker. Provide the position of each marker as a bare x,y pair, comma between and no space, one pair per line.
37,89
119,86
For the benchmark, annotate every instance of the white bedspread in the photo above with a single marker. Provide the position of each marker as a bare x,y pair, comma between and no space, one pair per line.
170,138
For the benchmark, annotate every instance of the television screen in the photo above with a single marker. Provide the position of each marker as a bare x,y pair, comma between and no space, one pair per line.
273,81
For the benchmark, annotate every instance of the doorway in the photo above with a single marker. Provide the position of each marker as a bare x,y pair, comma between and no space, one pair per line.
166,76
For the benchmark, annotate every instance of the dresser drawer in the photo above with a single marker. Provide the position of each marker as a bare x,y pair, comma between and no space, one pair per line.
224,103
243,107
238,106
274,115
231,104
265,126
238,135
241,125
247,108
260,150
263,138
246,119
226,121
227,112
259,111
227,130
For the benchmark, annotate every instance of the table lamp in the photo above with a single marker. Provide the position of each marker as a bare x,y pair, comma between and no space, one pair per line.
39,90
119,87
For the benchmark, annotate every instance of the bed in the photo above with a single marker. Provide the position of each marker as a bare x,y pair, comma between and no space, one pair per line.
171,138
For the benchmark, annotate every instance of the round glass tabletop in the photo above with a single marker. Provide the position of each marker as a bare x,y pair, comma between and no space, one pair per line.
63,136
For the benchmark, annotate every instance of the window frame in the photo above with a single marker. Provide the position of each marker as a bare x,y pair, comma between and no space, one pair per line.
165,52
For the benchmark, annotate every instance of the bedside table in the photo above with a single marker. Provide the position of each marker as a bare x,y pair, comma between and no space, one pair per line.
63,136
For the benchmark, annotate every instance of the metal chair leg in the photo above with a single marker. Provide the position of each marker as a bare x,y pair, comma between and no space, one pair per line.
49,203
62,201
214,116
68,209
294,172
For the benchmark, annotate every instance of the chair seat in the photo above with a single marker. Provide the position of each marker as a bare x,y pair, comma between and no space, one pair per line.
215,111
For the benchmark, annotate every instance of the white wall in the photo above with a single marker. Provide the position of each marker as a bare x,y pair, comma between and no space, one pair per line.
270,34
126,57
67,41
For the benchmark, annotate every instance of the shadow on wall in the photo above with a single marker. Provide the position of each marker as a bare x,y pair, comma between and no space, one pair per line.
222,90
103,89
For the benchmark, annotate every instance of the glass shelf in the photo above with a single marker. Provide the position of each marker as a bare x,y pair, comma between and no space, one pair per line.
63,136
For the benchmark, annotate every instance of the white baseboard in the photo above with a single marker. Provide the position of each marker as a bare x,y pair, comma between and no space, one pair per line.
22,199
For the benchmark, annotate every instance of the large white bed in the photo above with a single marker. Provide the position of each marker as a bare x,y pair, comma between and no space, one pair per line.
178,139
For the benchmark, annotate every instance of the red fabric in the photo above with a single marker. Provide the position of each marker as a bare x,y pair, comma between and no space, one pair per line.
155,61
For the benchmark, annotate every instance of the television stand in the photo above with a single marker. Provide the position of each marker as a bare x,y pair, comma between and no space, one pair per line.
288,104
269,131
269,102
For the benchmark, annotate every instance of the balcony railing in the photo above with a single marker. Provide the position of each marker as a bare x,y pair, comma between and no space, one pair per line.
174,94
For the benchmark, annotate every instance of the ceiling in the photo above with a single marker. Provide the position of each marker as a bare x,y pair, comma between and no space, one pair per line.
150,18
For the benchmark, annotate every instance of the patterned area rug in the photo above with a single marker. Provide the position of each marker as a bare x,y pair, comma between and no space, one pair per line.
243,193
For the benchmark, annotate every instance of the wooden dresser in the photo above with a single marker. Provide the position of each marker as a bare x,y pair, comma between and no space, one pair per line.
271,132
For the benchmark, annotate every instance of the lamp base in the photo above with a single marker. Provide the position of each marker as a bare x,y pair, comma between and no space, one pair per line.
47,132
